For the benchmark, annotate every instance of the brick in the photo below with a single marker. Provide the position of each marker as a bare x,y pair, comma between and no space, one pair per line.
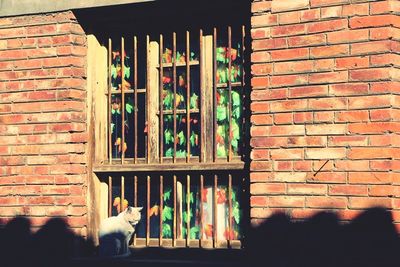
288,30
370,178
288,80
260,33
286,201
307,40
381,33
369,74
325,153
381,190
324,65
352,116
307,189
264,20
368,202
374,128
261,69
319,3
286,154
289,18
260,6
308,91
347,36
331,12
348,89
289,105
370,153
327,104
323,116
328,129
352,62
352,165
371,21
269,44
326,202
290,54
329,77
370,47
261,119
356,9
327,26
293,67
329,51
381,115
267,189
287,5
310,15
260,165
348,190
367,102
283,118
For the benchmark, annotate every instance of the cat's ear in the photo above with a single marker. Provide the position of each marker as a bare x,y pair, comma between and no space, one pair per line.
129,210
139,208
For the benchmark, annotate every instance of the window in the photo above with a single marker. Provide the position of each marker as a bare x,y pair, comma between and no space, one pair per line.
169,134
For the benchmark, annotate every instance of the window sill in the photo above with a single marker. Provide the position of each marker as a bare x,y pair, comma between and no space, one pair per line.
118,167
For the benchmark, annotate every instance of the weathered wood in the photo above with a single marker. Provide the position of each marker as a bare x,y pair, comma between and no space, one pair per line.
174,87
214,84
215,224
230,224
135,91
161,105
122,193
229,93
123,99
153,123
206,105
233,165
148,211
109,101
181,243
187,96
161,208
174,219
201,208
187,210
110,196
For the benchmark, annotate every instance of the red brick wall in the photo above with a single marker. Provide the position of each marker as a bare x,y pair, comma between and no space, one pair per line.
324,87
43,132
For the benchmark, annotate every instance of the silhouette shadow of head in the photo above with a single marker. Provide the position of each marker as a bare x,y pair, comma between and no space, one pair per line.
15,240
369,240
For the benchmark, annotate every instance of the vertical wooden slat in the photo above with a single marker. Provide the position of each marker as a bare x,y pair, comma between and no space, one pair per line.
148,98
187,210
174,86
202,89
229,93
230,229
174,222
215,93
187,96
110,200
201,208
161,105
123,98
135,86
161,207
148,212
215,243
135,185
109,107
122,193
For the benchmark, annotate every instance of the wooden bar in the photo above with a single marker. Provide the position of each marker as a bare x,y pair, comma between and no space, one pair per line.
174,86
229,92
174,222
161,105
202,130
230,229
109,106
123,98
201,207
161,208
135,202
147,97
122,193
187,96
110,200
215,243
215,93
188,210
148,212
135,88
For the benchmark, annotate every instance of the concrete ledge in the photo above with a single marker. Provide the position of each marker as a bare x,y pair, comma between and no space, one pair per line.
23,7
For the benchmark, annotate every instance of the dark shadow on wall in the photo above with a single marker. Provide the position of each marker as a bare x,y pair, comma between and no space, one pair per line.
369,240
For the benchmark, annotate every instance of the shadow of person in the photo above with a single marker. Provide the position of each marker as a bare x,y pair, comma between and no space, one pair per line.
15,241
369,240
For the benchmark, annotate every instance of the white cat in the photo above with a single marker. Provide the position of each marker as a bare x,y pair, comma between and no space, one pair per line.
116,232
